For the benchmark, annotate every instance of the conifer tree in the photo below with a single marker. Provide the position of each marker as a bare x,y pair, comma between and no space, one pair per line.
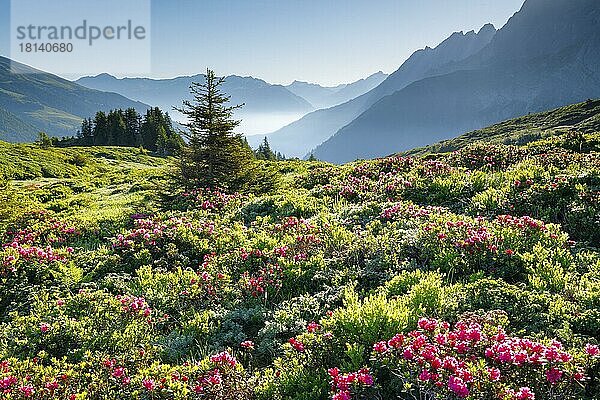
264,151
132,127
101,133
87,128
215,156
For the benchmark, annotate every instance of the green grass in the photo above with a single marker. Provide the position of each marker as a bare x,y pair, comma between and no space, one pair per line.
28,161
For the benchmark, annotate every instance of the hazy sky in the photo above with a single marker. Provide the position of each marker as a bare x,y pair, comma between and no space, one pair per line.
323,41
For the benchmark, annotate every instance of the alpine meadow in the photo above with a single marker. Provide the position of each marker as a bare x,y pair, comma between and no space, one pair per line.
428,234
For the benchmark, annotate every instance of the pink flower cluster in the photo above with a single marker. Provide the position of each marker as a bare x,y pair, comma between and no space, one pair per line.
435,167
296,225
296,344
521,223
342,385
13,252
117,373
9,384
46,230
268,277
148,232
374,169
403,210
134,306
247,344
209,199
465,359
224,359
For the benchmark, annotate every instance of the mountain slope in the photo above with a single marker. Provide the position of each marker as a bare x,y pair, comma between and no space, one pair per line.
546,56
45,102
258,95
357,88
326,97
313,93
582,117
12,129
301,136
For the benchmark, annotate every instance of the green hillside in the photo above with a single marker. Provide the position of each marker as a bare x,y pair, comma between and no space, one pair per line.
583,117
49,103
12,128
452,276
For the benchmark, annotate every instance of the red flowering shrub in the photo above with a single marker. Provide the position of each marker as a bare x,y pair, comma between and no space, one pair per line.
344,386
220,377
475,359
207,199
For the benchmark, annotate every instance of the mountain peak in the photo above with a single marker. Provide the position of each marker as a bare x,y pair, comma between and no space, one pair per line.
487,28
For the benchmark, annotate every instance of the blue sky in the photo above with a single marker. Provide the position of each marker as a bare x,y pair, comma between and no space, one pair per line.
323,41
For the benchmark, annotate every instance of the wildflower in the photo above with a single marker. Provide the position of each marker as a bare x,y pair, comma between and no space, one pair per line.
458,386
525,393
247,344
313,327
425,375
27,391
343,395
198,389
592,350
494,374
224,359
296,344
380,347
149,384
427,324
553,375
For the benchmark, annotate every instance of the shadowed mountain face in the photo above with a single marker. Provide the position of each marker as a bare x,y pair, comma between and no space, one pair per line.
546,56
303,135
264,103
581,118
325,97
34,101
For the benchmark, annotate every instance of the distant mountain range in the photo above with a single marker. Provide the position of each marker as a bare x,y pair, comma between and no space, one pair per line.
33,101
298,138
257,95
329,96
265,104
546,56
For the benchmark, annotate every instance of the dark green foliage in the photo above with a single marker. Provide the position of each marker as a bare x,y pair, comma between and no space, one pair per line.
264,151
154,132
43,140
215,156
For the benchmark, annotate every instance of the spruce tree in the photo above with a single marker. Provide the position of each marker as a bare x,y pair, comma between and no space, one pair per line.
101,133
215,156
132,127
264,151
